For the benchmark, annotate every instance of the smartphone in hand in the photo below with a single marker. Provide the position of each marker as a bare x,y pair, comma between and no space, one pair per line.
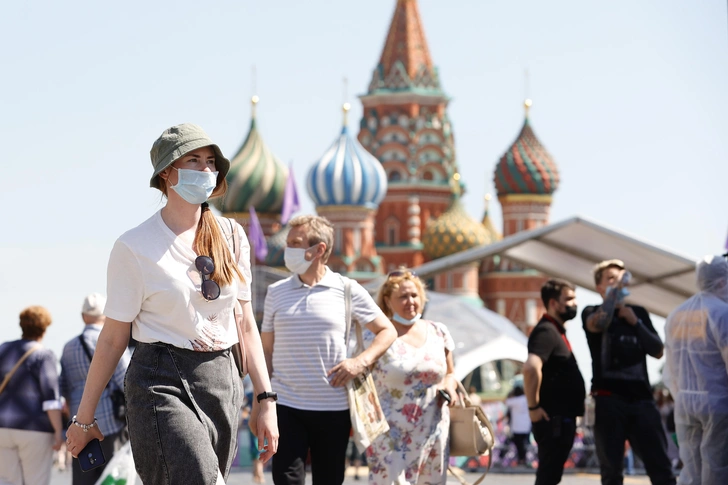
91,456
445,395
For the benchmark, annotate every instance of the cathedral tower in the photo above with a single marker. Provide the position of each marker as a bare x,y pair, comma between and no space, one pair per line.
405,126
525,178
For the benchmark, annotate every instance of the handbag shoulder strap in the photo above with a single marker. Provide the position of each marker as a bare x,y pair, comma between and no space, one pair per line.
16,367
347,309
234,235
230,230
350,321
236,239
89,354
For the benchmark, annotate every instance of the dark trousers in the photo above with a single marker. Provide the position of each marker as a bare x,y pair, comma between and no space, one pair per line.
324,433
555,439
617,420
521,441
109,446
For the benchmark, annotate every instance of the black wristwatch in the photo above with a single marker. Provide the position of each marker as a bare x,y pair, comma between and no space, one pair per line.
534,408
267,395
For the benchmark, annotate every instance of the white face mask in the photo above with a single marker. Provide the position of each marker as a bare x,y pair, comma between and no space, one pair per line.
195,186
404,321
295,259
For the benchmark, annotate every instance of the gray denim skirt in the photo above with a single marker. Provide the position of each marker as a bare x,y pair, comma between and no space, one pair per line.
183,409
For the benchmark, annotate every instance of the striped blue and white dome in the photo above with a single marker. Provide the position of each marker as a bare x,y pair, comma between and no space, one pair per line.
347,174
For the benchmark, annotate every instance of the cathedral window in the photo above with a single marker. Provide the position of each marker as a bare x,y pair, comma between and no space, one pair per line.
391,231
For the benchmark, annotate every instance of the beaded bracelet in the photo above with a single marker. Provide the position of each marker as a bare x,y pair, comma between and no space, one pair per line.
84,427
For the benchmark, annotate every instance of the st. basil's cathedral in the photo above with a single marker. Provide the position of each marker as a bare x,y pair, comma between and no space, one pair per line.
393,191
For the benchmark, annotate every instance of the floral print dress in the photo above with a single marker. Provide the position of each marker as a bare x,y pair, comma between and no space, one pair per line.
415,449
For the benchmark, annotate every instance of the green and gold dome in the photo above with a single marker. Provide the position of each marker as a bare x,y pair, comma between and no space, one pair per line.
454,231
256,177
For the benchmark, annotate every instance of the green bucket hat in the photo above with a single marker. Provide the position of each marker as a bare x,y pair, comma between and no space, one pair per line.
175,142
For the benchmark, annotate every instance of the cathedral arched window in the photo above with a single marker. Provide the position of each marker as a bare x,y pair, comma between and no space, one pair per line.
391,231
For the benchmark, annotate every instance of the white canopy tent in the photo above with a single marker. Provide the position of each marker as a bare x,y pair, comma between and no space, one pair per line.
480,335
662,279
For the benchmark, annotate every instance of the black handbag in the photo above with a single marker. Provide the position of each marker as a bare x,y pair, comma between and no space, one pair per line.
118,400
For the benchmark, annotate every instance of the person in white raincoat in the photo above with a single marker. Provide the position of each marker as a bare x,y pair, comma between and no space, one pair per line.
696,349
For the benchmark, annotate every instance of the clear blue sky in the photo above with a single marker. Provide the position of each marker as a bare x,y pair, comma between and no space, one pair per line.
629,98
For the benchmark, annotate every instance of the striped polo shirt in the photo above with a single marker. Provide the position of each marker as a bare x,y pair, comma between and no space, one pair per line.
308,323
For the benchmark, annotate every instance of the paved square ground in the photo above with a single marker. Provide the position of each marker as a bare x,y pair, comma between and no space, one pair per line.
241,476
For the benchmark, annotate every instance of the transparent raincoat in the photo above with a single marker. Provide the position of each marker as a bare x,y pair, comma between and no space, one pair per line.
696,370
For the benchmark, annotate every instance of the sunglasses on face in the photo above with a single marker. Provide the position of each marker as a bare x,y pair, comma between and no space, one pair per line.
401,272
209,289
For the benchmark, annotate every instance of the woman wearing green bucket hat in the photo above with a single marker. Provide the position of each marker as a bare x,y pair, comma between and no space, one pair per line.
177,279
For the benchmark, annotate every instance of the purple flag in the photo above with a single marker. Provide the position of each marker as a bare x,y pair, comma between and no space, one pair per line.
256,236
290,198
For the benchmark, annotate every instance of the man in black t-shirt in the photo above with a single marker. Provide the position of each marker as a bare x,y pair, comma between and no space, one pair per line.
553,383
625,409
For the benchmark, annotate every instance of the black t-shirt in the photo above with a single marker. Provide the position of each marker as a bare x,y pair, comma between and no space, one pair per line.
619,362
562,386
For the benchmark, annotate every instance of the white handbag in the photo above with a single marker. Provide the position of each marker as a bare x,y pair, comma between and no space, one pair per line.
367,418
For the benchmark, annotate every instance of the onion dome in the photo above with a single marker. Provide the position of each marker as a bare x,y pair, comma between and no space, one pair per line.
526,167
276,247
256,177
453,231
347,174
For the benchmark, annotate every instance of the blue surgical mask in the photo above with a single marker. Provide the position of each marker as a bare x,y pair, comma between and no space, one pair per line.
404,321
195,186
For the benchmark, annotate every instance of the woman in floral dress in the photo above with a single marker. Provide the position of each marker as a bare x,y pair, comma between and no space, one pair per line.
408,377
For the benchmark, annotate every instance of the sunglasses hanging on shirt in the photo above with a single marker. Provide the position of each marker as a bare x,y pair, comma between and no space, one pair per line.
206,266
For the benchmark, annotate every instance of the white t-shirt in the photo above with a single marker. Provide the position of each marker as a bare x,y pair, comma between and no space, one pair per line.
520,420
152,282
309,327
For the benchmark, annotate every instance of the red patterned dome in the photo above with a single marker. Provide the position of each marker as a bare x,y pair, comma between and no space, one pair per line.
526,167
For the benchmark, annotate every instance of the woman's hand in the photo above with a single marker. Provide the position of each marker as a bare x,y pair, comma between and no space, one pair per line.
253,418
346,370
266,423
450,386
77,439
57,440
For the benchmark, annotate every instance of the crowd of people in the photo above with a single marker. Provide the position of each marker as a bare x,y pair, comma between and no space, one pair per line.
179,288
